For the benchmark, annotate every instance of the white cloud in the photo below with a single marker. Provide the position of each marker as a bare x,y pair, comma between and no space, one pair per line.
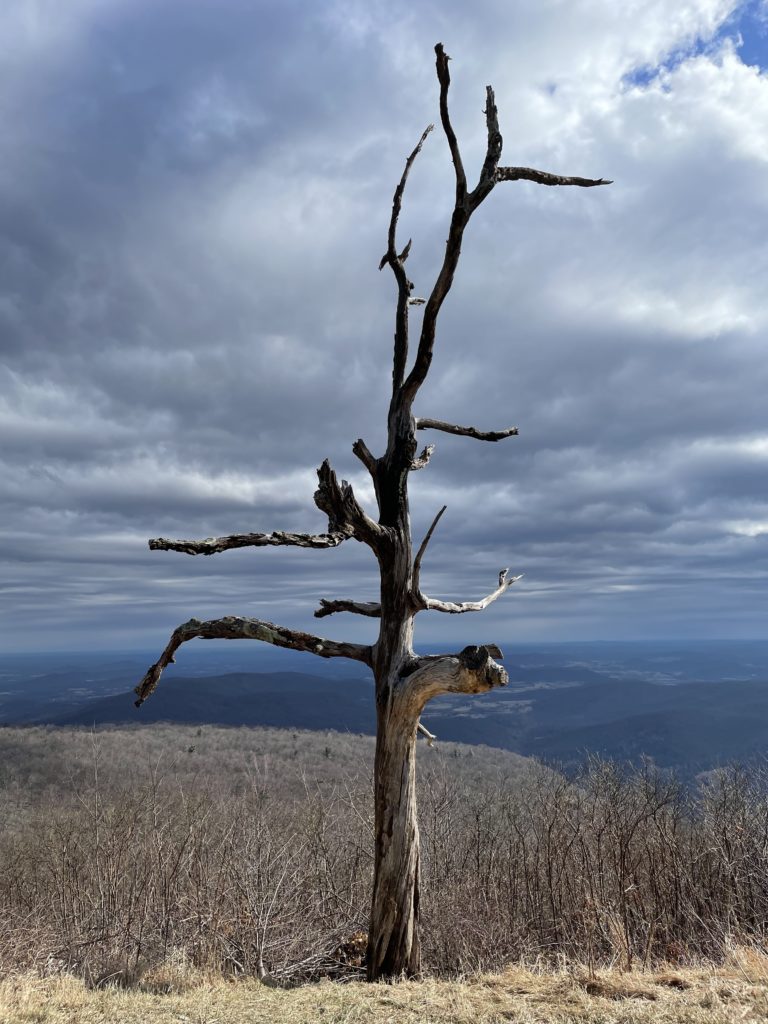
193,318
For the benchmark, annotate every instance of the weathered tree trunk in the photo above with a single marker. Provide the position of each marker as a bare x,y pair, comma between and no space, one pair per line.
405,682
394,945
393,933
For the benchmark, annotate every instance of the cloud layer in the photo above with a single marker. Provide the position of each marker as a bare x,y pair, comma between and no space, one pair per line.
193,203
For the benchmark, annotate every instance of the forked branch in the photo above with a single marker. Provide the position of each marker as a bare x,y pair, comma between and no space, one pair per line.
429,736
424,423
465,205
236,628
444,78
431,604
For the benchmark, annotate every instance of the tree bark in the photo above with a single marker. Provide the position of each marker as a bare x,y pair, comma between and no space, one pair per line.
394,943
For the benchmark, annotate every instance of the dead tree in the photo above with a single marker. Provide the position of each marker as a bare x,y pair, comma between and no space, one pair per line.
405,681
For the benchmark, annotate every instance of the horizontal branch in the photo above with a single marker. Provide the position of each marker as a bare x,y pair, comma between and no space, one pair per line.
370,608
430,604
545,178
424,423
236,628
213,545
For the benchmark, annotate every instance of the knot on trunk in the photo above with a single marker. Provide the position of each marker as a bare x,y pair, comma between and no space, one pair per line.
478,661
471,671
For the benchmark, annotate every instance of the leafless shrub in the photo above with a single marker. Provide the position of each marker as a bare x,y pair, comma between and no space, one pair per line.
129,865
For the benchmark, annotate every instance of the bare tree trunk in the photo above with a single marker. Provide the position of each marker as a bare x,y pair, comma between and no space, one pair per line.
393,944
393,934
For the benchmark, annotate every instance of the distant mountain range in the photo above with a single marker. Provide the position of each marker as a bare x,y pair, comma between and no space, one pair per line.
687,706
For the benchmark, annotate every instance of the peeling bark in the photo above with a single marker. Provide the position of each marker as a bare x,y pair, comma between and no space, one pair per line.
404,681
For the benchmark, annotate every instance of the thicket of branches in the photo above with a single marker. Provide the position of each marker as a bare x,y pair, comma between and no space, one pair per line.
115,873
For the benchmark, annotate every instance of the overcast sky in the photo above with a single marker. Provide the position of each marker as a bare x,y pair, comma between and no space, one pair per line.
194,197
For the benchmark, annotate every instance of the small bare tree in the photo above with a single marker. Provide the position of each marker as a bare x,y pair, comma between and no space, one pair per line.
405,681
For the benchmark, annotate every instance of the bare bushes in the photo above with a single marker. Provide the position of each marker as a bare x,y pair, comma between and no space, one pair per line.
269,873
120,881
616,866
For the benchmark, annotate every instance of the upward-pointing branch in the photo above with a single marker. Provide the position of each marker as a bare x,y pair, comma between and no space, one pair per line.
444,78
492,152
397,262
423,548
464,207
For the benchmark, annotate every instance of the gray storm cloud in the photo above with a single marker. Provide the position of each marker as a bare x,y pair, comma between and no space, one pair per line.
193,203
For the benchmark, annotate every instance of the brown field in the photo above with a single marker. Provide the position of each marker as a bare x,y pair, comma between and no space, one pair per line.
738,991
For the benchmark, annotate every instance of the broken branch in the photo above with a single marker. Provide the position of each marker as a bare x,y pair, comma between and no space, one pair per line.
424,423
345,514
370,608
492,153
429,736
423,459
213,545
361,450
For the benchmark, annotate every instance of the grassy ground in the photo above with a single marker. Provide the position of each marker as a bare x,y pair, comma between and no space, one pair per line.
736,992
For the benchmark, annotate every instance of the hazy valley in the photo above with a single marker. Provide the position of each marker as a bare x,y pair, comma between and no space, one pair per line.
690,706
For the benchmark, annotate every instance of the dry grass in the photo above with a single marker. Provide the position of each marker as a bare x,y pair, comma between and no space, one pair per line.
736,992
